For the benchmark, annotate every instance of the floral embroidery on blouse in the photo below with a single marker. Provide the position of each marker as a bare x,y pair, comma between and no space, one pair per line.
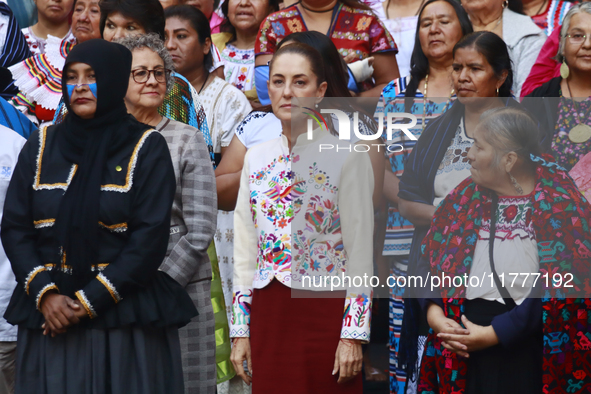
293,212
456,156
566,152
239,66
513,219
355,31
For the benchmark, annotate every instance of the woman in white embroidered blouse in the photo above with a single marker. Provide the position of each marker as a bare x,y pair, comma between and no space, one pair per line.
236,43
324,214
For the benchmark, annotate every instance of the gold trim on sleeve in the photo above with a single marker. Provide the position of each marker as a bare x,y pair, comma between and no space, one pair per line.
44,223
32,276
44,290
110,287
86,304
114,228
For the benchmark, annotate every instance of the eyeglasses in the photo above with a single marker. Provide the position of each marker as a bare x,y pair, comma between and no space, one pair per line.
142,76
577,38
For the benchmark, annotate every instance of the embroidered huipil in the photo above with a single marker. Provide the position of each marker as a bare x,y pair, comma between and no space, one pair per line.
303,217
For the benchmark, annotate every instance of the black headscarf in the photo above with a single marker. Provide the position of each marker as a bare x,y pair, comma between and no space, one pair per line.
88,143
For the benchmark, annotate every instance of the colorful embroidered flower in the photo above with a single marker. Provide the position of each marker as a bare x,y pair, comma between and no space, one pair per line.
278,27
363,23
296,158
271,211
320,179
580,374
294,25
242,77
245,56
232,54
282,223
510,212
346,22
361,299
259,175
375,31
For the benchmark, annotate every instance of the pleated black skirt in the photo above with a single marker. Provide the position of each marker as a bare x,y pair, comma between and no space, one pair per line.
498,369
99,361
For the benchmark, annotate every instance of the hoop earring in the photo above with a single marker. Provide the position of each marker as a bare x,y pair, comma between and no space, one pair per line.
497,92
516,185
505,3
564,70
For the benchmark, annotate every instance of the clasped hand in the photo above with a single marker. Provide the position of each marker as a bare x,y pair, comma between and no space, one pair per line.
457,339
60,312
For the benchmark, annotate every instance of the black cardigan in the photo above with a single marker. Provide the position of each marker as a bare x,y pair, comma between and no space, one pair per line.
543,104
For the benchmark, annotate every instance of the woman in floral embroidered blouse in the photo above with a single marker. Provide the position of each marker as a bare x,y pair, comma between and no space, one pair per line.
351,25
316,208
236,43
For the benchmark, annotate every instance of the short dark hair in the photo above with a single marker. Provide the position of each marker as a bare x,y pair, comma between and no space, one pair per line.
496,53
198,21
149,14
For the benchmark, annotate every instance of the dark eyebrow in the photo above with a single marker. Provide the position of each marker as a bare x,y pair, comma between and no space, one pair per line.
436,16
87,69
181,29
475,65
141,66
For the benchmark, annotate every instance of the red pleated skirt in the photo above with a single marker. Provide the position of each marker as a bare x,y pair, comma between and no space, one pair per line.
294,341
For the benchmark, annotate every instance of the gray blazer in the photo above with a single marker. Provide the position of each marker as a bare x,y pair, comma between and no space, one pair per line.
194,211
524,40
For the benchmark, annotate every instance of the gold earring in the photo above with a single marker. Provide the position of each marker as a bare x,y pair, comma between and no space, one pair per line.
505,3
516,185
564,70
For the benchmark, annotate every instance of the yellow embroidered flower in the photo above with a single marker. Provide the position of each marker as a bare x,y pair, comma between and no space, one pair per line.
320,178
294,25
363,23
243,69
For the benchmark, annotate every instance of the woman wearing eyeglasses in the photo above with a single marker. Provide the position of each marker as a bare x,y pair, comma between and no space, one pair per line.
193,220
563,104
